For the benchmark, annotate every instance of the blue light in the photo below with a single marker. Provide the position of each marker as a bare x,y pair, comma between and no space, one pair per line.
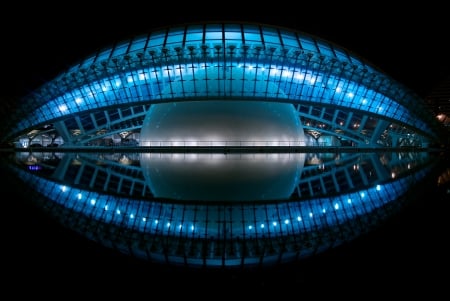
63,108
144,82
34,167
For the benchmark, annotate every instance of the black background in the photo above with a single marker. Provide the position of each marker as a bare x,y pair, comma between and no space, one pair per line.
407,42
406,256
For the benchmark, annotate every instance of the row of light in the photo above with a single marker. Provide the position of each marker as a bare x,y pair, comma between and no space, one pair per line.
93,202
274,71
141,77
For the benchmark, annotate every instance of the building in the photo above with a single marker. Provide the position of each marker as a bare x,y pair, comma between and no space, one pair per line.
439,101
340,99
226,86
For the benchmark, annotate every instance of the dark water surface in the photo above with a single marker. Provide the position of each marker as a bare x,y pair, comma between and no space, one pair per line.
407,252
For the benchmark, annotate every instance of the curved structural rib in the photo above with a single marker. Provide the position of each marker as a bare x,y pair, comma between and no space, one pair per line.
340,98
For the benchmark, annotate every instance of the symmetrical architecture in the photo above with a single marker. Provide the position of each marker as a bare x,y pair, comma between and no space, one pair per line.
221,85
339,98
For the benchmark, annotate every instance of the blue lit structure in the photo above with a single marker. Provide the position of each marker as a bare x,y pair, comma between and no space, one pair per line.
340,98
104,100
107,199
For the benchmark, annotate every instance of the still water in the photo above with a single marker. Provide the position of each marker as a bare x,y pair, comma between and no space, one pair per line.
222,209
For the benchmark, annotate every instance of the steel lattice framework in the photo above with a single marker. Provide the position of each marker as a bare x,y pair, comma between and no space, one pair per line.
335,92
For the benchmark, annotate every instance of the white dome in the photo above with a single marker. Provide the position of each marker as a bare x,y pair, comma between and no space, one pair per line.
195,123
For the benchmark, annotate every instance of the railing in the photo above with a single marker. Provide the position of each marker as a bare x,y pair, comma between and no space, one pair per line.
240,143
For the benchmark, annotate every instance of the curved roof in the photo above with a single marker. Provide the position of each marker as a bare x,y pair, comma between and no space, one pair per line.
333,91
226,61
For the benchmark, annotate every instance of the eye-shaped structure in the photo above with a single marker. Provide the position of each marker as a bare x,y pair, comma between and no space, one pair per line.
221,85
338,98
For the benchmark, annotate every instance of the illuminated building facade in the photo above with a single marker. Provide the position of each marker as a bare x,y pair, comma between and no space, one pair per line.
339,98
221,84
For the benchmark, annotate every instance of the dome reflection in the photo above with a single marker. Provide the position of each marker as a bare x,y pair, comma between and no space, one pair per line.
115,200
222,177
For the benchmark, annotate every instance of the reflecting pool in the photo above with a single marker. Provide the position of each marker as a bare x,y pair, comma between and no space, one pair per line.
221,209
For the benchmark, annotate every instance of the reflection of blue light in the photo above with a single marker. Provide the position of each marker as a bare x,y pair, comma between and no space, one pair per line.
350,206
34,167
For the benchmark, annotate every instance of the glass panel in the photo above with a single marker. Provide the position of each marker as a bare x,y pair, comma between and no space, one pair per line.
104,55
308,44
194,36
156,39
324,48
341,55
213,35
254,37
175,35
233,36
120,49
138,44
289,39
271,36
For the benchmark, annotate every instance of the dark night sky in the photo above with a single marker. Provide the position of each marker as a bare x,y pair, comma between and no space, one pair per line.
409,43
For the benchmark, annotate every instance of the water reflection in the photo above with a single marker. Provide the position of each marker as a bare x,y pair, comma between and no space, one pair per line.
222,177
221,209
